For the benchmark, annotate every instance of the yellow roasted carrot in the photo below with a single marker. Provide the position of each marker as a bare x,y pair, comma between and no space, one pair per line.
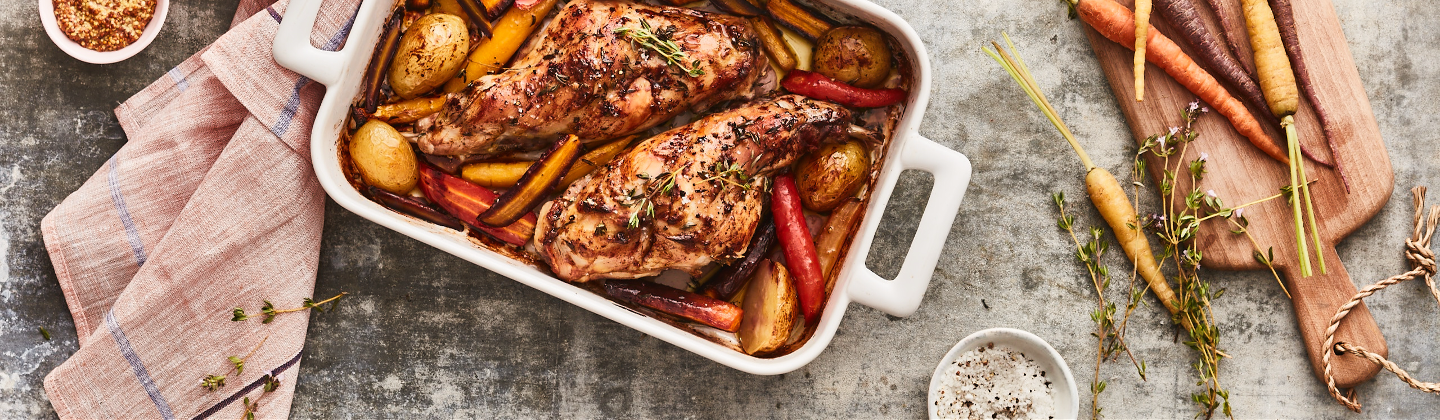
496,175
774,42
594,159
510,32
1105,192
409,111
501,175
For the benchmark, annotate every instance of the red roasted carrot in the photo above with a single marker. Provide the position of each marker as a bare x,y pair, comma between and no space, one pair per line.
1115,23
1285,18
800,256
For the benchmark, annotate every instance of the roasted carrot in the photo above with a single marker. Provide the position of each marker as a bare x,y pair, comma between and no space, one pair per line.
1142,38
508,34
1114,22
1285,20
1277,80
1105,192
1182,15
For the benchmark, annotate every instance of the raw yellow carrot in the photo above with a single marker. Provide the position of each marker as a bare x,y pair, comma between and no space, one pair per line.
1273,66
1142,37
1277,80
1105,192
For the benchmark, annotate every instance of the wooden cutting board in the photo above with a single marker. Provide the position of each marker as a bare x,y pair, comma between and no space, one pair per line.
1240,173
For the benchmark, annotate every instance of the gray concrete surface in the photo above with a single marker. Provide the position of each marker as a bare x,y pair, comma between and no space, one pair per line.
429,335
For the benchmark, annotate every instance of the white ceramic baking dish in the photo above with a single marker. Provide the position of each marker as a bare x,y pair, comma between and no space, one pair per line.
341,72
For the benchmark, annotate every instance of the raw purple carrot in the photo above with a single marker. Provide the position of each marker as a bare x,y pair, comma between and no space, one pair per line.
1227,27
1285,17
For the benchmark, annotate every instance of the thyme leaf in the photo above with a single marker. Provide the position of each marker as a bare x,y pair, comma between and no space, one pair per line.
660,42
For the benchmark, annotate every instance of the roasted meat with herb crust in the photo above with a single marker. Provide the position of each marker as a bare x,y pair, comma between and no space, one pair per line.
685,198
592,75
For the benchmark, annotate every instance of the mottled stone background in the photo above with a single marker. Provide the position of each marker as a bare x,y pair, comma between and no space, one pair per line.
425,334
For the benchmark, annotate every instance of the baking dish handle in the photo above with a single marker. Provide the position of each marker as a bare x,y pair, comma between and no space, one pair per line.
292,47
900,297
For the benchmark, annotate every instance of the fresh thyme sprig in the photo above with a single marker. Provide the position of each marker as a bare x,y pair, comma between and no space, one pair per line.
1177,226
271,384
1110,336
237,366
661,42
269,311
642,201
725,173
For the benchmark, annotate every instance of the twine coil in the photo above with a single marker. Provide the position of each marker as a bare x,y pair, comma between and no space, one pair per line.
1422,262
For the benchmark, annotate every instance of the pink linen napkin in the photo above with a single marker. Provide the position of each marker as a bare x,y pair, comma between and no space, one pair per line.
211,205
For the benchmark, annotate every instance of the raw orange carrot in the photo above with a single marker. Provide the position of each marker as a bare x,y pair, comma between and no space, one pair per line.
1142,32
1115,23
1182,16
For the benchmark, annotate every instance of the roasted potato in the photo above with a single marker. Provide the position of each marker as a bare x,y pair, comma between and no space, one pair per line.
384,158
857,55
831,174
431,52
770,306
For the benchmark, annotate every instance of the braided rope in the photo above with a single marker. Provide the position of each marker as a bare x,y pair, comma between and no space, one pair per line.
1422,259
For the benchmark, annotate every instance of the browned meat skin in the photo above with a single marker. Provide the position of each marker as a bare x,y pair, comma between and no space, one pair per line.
707,182
584,78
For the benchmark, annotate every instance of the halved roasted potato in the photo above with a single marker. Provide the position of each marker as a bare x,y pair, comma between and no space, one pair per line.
770,306
384,158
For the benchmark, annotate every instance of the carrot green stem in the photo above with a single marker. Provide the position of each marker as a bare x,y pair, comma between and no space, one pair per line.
1305,190
1293,143
1016,67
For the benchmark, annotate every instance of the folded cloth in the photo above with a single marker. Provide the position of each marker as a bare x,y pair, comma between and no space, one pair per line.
210,205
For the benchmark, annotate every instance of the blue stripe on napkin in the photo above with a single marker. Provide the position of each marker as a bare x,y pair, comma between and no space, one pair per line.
136,365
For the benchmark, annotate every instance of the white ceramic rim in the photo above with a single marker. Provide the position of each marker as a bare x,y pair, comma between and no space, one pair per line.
152,29
342,72
1027,343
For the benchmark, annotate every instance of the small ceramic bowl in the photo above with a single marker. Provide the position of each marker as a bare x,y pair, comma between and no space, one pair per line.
1062,386
47,19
